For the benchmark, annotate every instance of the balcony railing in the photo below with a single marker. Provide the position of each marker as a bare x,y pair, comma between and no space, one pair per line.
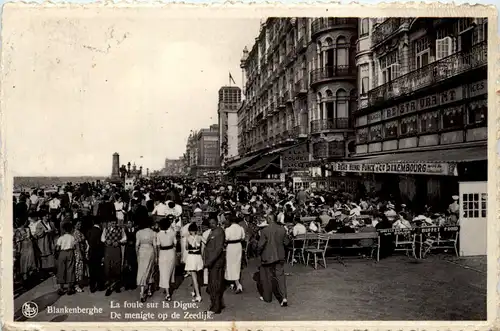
324,149
281,101
301,44
387,28
329,124
324,24
431,74
331,72
299,131
300,87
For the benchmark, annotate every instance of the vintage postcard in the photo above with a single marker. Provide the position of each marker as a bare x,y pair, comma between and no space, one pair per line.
248,167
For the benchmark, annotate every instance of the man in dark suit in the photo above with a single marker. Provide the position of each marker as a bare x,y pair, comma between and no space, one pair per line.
96,253
215,261
273,239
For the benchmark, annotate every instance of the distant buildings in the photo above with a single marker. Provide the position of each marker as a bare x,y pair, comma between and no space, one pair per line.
229,103
175,167
203,151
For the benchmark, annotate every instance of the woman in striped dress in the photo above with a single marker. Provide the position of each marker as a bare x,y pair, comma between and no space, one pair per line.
145,246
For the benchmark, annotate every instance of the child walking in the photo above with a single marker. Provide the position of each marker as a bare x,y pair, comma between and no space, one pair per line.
65,250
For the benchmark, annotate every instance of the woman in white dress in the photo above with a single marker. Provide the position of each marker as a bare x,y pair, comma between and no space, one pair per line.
120,209
235,234
194,261
165,243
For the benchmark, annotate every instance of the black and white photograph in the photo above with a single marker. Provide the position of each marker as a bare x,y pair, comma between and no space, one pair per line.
170,167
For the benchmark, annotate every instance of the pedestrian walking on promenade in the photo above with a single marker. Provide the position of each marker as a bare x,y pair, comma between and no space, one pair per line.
215,260
166,244
272,243
113,236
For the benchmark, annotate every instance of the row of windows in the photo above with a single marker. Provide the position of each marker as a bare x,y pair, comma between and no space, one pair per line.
430,122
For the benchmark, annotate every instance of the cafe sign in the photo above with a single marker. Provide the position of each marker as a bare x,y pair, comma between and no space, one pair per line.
295,158
407,168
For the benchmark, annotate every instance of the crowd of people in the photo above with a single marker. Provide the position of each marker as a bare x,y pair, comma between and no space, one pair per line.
86,233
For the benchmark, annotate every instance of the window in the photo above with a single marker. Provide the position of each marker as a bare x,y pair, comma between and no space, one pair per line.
342,104
472,206
478,111
364,78
389,66
342,52
362,135
364,28
429,122
444,47
376,132
422,52
453,117
408,125
391,129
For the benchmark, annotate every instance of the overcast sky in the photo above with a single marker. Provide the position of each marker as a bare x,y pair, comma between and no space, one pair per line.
79,87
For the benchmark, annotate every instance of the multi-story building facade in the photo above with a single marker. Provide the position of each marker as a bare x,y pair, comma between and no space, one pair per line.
174,167
227,110
191,155
421,123
207,151
300,80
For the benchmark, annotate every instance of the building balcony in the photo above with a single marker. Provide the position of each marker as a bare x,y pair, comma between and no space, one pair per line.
301,44
332,72
300,88
291,55
328,149
320,25
288,96
431,74
299,131
281,101
387,28
318,126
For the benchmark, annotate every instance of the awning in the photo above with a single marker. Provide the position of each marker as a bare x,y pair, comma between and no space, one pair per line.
435,162
264,163
242,161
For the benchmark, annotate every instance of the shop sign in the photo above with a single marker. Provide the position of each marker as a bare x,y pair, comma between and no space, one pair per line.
432,100
374,117
478,88
411,168
295,158
390,112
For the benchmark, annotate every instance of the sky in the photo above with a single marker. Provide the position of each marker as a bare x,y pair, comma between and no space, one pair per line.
79,88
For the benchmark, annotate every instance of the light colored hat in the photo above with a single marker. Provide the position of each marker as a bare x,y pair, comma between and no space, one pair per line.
263,224
455,197
403,205
420,218
337,213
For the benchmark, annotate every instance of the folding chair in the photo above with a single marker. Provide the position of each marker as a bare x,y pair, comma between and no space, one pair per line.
321,246
450,241
298,247
405,241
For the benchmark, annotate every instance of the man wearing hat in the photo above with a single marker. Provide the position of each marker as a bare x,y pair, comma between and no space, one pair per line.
454,209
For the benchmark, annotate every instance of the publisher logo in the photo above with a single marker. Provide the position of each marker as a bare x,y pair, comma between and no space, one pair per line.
29,309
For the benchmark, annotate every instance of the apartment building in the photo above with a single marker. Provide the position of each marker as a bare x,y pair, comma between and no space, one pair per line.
421,122
206,149
227,111
300,75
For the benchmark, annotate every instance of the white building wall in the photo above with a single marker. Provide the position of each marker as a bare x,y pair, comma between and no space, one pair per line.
232,134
